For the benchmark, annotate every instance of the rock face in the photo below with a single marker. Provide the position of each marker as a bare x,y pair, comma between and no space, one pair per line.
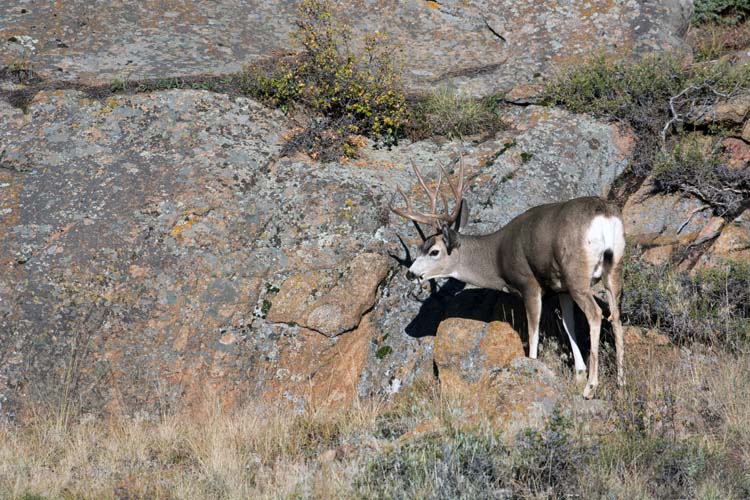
485,47
538,161
143,237
665,219
330,303
157,250
733,244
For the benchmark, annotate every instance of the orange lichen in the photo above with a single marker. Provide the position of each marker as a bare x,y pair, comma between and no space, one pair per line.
184,224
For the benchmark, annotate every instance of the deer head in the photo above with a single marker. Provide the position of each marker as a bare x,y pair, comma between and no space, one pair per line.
438,256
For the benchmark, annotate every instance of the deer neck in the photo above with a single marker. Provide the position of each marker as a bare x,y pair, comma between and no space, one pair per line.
479,261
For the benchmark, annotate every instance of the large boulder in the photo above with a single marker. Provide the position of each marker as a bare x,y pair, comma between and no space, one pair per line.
654,219
466,351
484,48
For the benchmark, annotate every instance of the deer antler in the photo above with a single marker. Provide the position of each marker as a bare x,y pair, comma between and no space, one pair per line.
433,217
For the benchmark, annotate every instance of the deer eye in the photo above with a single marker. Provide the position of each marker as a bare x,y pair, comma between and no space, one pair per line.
434,253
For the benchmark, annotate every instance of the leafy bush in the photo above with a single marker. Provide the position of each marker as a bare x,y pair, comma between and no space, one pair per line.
635,92
720,11
711,306
694,166
656,95
357,92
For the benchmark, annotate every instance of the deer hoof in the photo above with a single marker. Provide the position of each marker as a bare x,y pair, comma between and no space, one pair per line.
588,392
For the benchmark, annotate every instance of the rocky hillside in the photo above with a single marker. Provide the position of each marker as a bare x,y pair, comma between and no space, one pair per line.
158,247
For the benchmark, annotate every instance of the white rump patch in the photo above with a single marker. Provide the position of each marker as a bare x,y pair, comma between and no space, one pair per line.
604,233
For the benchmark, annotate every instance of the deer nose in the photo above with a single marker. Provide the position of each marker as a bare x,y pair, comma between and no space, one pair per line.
410,275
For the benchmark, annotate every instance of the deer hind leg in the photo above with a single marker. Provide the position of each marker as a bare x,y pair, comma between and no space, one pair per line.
568,316
585,300
613,285
532,301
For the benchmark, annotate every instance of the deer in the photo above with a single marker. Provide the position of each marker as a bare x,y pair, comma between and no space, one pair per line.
565,248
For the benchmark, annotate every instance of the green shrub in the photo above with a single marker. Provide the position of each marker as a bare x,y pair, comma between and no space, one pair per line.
654,95
712,306
622,89
546,463
695,166
462,465
355,91
720,11
635,92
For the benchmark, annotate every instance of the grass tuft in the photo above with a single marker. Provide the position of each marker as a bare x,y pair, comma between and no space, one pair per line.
445,112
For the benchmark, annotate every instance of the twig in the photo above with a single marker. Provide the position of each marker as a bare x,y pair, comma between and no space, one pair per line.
699,209
675,114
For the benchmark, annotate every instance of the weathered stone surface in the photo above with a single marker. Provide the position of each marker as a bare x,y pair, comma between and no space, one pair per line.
151,229
746,131
451,42
163,231
711,230
520,395
736,153
466,350
732,111
654,219
305,369
330,302
548,155
733,244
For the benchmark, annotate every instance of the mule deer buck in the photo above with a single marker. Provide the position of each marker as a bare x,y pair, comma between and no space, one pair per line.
564,247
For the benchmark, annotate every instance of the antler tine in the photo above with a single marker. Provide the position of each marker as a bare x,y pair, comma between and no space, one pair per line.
409,213
458,192
419,177
433,218
434,194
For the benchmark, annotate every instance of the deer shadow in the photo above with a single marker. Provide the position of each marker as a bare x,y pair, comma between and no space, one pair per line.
454,300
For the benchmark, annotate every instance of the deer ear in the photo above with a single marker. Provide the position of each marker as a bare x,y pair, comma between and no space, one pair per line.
450,237
463,216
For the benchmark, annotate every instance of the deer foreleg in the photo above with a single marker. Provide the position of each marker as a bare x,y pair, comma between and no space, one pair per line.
532,300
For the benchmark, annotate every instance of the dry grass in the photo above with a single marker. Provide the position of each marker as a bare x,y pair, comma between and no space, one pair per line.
681,429
245,454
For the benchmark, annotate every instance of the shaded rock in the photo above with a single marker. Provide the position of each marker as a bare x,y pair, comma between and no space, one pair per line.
466,351
663,219
710,231
746,131
150,229
163,231
732,111
330,302
733,244
484,48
